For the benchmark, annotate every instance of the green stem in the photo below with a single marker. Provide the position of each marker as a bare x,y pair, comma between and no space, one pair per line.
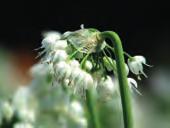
91,105
127,54
123,83
74,53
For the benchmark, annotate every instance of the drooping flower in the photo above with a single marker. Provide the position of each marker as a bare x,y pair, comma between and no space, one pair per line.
133,85
136,65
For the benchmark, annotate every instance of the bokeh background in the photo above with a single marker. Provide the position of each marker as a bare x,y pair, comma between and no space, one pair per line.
144,27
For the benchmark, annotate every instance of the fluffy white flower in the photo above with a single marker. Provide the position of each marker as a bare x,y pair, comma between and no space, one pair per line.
52,34
136,65
77,113
60,44
79,83
59,55
50,39
24,104
49,43
106,87
23,125
77,80
74,63
76,108
81,78
62,70
21,98
71,75
7,110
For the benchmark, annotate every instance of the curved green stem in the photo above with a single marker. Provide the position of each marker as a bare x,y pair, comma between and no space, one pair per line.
127,54
123,83
91,105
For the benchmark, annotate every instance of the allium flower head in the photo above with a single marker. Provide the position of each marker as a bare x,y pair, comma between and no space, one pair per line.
81,59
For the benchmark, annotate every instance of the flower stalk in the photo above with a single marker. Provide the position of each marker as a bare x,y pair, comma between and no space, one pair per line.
90,101
122,77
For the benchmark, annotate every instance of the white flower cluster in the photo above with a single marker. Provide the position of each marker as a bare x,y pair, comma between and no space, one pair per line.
54,100
31,104
66,72
18,108
24,110
70,74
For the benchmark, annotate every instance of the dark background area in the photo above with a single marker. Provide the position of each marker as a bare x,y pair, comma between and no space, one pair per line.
144,26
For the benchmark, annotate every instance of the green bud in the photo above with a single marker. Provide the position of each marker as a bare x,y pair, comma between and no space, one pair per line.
109,63
86,40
